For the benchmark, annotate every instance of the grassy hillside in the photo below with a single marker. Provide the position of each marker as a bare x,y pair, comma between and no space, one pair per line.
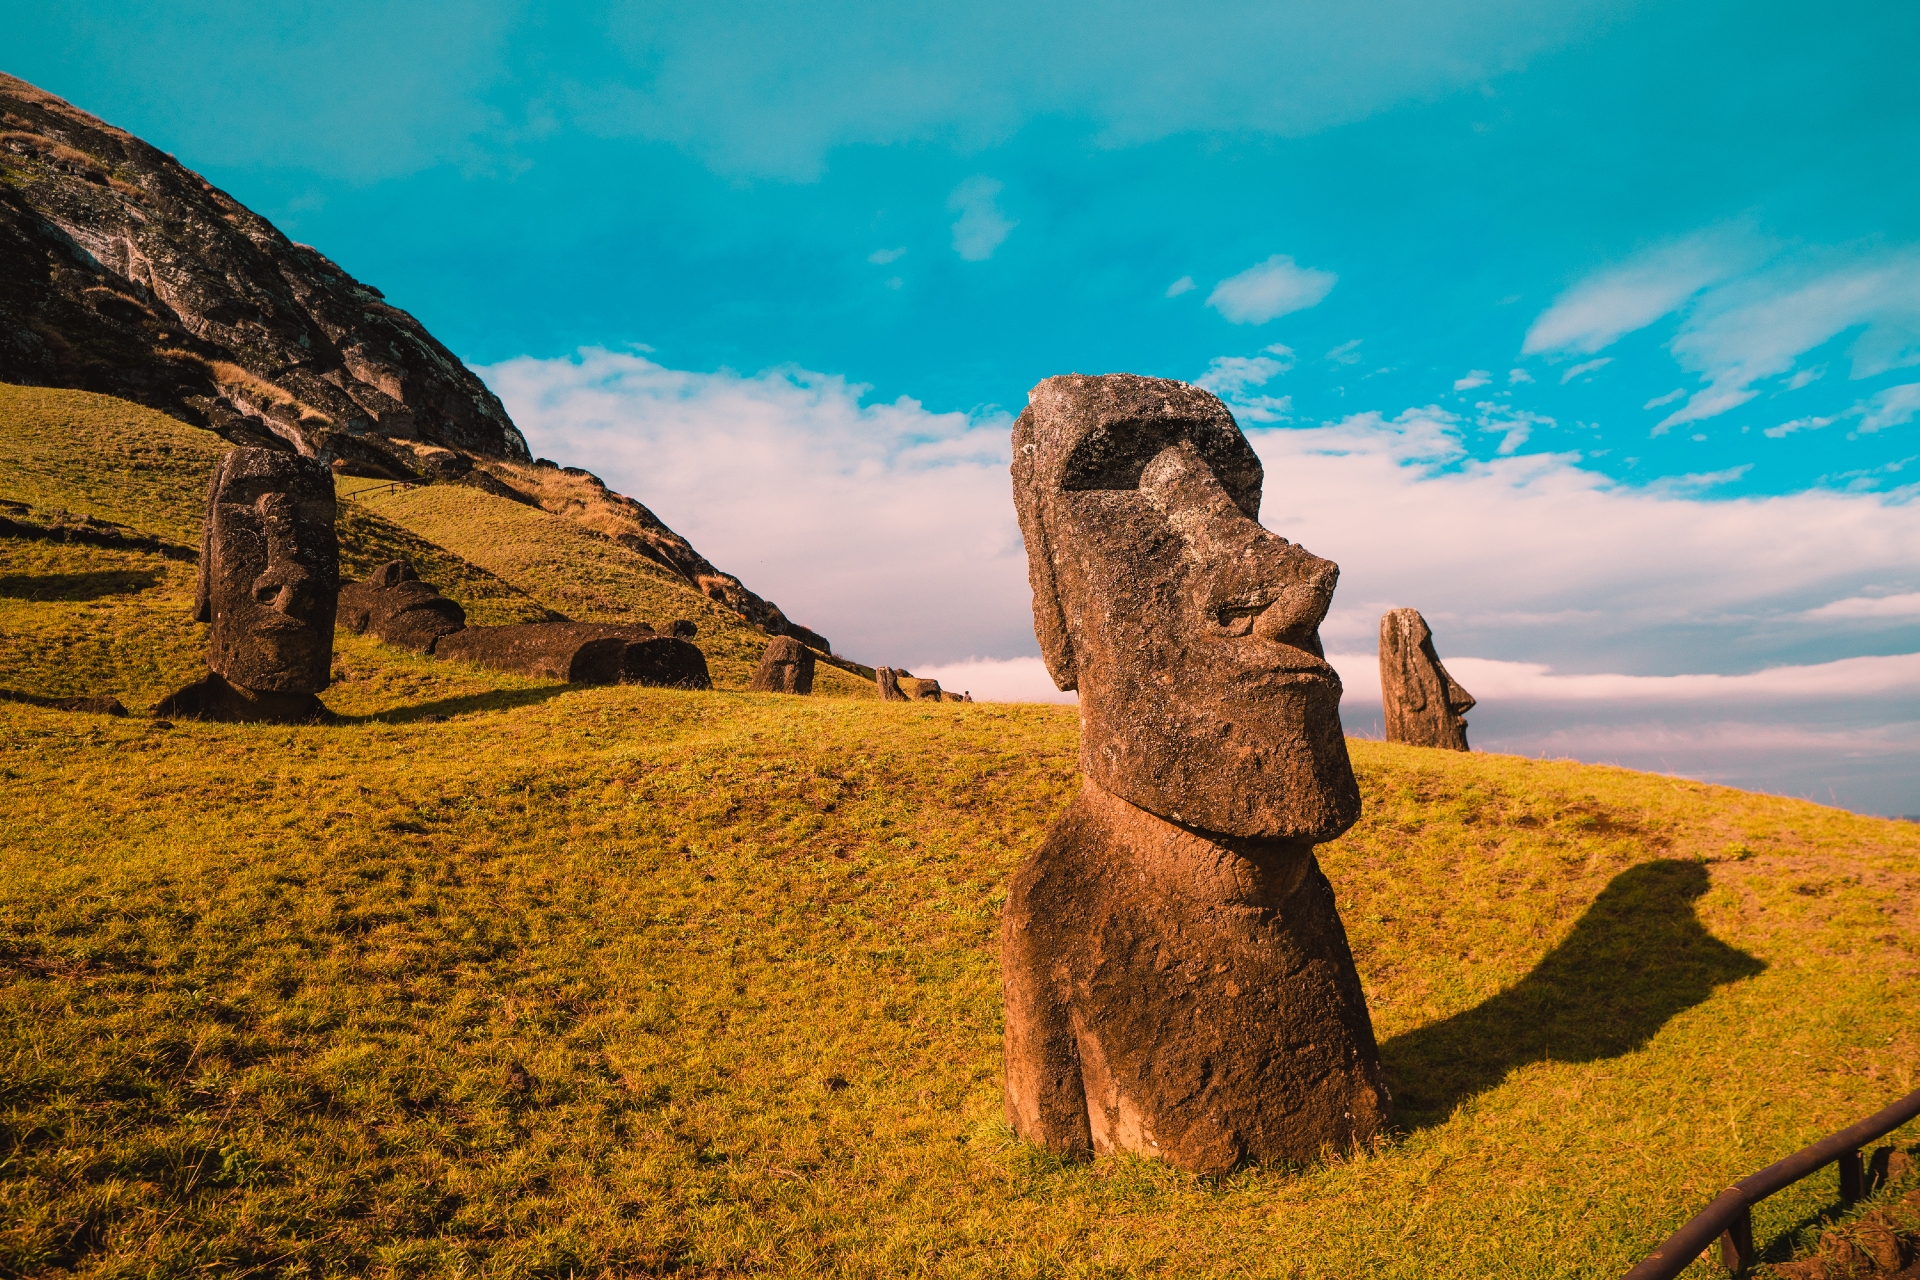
80,620
577,571
627,981
638,980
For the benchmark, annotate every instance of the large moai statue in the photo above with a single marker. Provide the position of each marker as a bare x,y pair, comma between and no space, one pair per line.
1423,703
888,682
785,667
1177,979
269,573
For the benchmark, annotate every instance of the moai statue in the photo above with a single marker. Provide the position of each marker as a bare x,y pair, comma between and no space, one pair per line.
1177,979
785,667
395,606
889,682
1423,704
269,575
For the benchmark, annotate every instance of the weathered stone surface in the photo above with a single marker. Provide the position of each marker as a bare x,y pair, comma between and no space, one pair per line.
920,690
581,653
395,606
681,629
1177,979
1424,704
123,272
888,682
785,667
269,578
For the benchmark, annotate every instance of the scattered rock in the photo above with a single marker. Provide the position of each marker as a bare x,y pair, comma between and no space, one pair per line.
395,606
269,576
1424,705
1175,920
785,667
681,629
515,1078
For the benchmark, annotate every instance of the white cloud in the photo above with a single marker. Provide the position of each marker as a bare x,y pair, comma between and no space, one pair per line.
1515,425
1474,378
881,257
1668,398
997,679
1806,376
981,227
885,526
1893,407
1232,378
1515,377
1272,288
1493,680
1798,424
1611,303
1585,367
1347,352
1184,284
1904,605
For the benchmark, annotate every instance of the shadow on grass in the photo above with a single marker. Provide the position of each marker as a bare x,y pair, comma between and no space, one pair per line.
76,586
495,700
1637,957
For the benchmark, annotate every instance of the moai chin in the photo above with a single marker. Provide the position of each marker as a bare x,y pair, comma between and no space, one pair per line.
1177,979
785,667
269,577
1423,704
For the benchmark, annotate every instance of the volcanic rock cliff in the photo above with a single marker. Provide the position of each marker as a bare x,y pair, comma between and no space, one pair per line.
123,272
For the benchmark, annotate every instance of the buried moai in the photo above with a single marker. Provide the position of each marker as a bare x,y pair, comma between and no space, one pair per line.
395,606
888,682
1177,979
269,572
1424,705
785,667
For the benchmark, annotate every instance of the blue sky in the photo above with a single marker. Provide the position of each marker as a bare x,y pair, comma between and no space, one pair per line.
1669,250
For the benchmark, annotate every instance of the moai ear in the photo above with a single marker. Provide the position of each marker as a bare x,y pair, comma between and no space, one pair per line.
203,583
1049,619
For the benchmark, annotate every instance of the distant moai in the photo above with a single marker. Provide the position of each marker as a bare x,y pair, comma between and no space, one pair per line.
888,681
1177,979
785,667
1423,703
269,575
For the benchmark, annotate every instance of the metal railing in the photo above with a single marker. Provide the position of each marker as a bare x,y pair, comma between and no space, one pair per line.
1730,1216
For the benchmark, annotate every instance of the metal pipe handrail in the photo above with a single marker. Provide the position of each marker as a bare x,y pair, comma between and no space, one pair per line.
1730,1216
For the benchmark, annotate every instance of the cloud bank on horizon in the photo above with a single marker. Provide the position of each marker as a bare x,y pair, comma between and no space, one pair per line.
1742,640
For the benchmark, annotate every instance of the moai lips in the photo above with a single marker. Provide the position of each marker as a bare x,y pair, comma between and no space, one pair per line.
1177,979
269,576
1424,705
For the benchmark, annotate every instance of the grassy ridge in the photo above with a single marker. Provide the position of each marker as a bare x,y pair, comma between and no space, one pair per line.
635,980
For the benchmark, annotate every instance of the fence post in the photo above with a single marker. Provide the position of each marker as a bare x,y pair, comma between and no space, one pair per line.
1852,1184
1736,1243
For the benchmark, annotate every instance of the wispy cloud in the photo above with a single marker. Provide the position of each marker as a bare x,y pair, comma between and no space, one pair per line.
1516,377
1232,378
1611,303
1268,289
1893,407
1904,605
1514,425
881,257
1474,378
981,227
1798,424
1184,284
1585,367
1347,352
1675,394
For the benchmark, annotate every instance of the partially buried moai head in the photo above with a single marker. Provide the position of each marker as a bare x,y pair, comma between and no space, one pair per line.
1191,633
785,667
269,572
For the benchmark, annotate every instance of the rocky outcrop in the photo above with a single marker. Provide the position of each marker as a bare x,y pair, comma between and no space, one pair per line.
122,271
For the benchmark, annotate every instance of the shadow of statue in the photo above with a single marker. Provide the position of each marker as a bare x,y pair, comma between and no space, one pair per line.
465,704
1637,957
76,586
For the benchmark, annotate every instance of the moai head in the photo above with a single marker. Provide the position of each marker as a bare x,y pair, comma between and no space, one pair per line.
1424,705
269,571
785,667
1191,633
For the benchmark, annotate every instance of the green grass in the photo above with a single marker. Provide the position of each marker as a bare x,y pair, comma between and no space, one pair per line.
626,981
